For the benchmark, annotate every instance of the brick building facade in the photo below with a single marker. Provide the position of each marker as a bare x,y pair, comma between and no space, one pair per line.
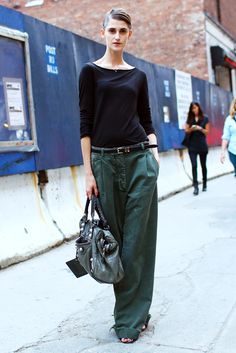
174,33
223,12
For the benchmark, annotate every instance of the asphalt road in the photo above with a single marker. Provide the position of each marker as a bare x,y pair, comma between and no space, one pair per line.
45,309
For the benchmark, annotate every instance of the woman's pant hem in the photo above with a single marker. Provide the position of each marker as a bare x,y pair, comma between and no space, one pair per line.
127,332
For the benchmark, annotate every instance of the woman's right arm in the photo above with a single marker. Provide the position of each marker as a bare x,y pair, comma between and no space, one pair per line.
224,146
86,96
225,140
90,182
189,129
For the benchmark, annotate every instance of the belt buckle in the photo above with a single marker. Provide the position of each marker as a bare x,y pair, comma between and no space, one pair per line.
124,149
119,150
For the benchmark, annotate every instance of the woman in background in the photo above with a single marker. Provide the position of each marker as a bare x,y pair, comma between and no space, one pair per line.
197,126
229,136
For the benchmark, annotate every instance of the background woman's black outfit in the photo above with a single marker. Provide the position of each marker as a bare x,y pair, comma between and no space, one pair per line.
198,146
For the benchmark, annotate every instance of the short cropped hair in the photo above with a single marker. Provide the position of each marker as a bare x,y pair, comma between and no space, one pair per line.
117,14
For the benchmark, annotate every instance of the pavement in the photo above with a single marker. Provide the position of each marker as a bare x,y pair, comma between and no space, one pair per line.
45,309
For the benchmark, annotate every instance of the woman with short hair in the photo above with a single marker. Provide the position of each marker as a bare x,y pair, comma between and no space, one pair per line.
121,165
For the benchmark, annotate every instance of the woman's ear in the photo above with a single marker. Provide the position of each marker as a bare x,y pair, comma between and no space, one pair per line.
102,32
130,33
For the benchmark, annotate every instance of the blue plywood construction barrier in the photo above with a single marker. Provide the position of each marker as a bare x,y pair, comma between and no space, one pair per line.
12,19
12,65
56,58
168,117
55,93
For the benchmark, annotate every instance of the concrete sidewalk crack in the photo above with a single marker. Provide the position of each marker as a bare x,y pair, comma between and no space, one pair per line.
198,350
221,330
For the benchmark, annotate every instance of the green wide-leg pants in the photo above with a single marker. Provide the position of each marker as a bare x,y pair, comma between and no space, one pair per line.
128,193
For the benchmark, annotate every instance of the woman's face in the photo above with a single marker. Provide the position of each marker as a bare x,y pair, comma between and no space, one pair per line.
116,34
195,109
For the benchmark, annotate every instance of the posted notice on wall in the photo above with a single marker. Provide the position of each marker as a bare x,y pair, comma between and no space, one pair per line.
13,92
184,95
51,59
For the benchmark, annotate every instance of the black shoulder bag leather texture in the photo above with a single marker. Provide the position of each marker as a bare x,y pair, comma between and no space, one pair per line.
96,248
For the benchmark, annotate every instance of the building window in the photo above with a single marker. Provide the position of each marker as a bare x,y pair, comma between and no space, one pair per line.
223,63
223,77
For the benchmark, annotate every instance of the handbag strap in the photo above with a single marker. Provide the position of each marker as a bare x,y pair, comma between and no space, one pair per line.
86,207
92,207
95,206
98,209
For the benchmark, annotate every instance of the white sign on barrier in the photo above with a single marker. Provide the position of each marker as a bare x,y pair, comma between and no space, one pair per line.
14,101
184,95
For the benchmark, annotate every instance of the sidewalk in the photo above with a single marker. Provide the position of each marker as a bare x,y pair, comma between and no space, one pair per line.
45,309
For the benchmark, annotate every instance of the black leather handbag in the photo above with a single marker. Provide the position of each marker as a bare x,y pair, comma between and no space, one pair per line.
96,248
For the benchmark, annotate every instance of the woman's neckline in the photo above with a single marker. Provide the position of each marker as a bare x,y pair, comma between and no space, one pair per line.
111,69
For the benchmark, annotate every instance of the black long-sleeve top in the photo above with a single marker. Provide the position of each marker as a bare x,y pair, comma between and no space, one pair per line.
197,139
114,106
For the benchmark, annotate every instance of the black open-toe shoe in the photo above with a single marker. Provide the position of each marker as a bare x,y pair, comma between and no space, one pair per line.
145,325
130,340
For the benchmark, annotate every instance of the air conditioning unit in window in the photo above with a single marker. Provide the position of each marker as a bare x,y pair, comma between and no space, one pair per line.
34,3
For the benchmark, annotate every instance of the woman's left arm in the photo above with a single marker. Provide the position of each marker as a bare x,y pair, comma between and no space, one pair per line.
205,130
144,112
153,141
